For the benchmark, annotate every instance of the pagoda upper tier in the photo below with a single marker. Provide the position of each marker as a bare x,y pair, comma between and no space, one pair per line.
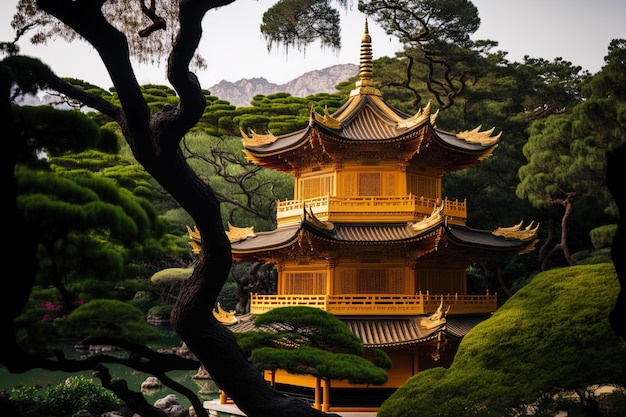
367,128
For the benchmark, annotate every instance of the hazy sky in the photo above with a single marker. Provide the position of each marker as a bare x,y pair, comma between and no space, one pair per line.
577,30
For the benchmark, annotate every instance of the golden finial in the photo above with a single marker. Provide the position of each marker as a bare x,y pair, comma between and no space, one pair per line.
365,83
365,64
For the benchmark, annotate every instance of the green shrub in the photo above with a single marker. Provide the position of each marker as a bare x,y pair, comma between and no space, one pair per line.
62,400
79,393
109,318
161,310
25,401
228,297
144,301
592,257
26,392
381,359
602,237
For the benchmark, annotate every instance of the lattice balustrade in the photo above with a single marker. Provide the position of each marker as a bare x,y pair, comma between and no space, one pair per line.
401,208
378,304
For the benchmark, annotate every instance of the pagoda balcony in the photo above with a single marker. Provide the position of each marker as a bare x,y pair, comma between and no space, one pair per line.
378,304
370,208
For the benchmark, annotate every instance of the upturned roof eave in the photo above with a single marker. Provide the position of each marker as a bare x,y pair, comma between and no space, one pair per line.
281,238
484,239
451,141
265,242
385,332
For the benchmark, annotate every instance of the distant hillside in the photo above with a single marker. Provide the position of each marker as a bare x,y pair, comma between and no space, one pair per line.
240,93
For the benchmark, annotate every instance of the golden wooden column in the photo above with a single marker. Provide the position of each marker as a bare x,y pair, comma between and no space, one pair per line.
318,395
326,400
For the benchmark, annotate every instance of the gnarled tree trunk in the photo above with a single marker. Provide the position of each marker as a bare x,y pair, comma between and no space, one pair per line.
615,173
155,142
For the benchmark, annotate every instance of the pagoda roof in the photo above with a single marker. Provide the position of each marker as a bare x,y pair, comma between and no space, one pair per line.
367,127
396,332
423,236
387,331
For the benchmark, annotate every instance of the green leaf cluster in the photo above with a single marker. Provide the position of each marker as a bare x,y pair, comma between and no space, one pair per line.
306,340
55,130
281,113
79,393
75,394
171,274
111,318
93,217
298,23
305,360
566,153
313,327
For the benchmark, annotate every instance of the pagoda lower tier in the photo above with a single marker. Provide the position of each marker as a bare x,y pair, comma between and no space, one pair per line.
413,343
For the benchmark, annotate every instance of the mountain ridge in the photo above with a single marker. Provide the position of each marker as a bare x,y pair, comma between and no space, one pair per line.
241,92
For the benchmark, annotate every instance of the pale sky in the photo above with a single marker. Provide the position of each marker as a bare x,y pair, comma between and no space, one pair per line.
579,31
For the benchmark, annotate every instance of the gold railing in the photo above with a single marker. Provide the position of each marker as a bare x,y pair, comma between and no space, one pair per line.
404,208
378,304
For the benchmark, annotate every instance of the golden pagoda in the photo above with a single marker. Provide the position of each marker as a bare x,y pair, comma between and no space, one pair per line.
369,238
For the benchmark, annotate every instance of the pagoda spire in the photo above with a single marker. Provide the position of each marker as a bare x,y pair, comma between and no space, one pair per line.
365,63
365,83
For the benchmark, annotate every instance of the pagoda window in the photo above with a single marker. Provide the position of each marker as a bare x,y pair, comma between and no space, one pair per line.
316,187
371,281
305,283
369,184
440,281
422,185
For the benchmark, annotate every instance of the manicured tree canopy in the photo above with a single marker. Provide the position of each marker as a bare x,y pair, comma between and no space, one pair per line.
111,318
552,334
103,227
306,340
168,282
313,327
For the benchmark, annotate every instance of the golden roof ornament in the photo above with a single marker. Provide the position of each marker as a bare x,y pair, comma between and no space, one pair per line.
433,118
195,242
435,217
195,248
194,233
418,118
516,232
256,139
327,119
225,317
236,234
313,220
437,319
475,136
